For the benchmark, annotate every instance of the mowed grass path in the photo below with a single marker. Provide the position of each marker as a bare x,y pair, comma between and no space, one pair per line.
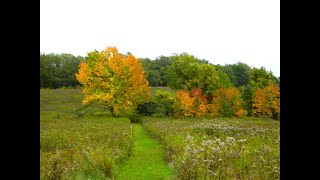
147,160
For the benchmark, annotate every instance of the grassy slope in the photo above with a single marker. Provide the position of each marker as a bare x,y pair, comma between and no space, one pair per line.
65,137
147,161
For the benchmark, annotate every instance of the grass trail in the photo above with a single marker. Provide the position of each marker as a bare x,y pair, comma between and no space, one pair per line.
147,160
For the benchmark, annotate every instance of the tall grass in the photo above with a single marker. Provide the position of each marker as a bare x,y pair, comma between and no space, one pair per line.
220,148
73,146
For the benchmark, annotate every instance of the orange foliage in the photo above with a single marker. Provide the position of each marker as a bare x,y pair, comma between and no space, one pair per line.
113,80
241,112
227,102
191,104
266,101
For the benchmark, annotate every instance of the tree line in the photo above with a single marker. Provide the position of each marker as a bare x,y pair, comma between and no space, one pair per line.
204,89
58,70
201,88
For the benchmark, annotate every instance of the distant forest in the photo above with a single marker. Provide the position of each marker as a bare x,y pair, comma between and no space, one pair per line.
58,70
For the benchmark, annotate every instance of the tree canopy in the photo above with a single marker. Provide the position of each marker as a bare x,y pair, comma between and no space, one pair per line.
57,70
186,72
113,81
120,82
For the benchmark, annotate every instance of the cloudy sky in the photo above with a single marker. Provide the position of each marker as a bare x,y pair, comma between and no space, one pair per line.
220,31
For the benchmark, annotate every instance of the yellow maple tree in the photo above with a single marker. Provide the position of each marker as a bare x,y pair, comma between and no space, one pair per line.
113,81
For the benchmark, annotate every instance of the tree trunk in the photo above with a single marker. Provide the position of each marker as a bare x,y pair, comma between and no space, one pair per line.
112,112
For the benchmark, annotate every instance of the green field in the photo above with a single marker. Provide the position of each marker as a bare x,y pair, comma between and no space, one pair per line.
77,143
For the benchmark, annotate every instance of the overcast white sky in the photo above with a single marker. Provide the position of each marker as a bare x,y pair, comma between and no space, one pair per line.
220,31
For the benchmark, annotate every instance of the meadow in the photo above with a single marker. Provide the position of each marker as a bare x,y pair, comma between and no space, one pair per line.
219,148
78,143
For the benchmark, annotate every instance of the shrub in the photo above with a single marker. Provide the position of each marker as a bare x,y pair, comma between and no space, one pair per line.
147,108
266,101
165,103
134,117
191,104
228,102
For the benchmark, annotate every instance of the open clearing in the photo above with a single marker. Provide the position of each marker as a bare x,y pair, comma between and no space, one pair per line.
80,143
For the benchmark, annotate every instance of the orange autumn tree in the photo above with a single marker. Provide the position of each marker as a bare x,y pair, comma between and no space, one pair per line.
266,101
191,103
113,81
227,102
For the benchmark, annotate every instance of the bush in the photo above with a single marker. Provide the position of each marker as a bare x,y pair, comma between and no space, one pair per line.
228,102
192,103
266,101
165,103
147,108
134,117
78,113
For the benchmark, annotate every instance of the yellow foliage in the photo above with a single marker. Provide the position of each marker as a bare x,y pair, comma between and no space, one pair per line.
266,101
227,102
113,80
241,112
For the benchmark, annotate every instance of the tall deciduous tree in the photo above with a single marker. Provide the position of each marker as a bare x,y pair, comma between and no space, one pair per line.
114,81
259,78
58,70
266,101
239,73
192,103
186,72
227,102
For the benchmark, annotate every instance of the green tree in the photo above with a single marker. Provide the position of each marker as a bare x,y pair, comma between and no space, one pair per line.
239,73
156,70
184,72
187,72
57,70
259,78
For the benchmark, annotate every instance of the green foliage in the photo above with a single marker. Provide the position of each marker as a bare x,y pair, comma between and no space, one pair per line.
58,70
147,108
183,72
133,117
156,70
247,95
226,108
165,102
239,73
223,80
186,72
162,103
259,78
155,89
